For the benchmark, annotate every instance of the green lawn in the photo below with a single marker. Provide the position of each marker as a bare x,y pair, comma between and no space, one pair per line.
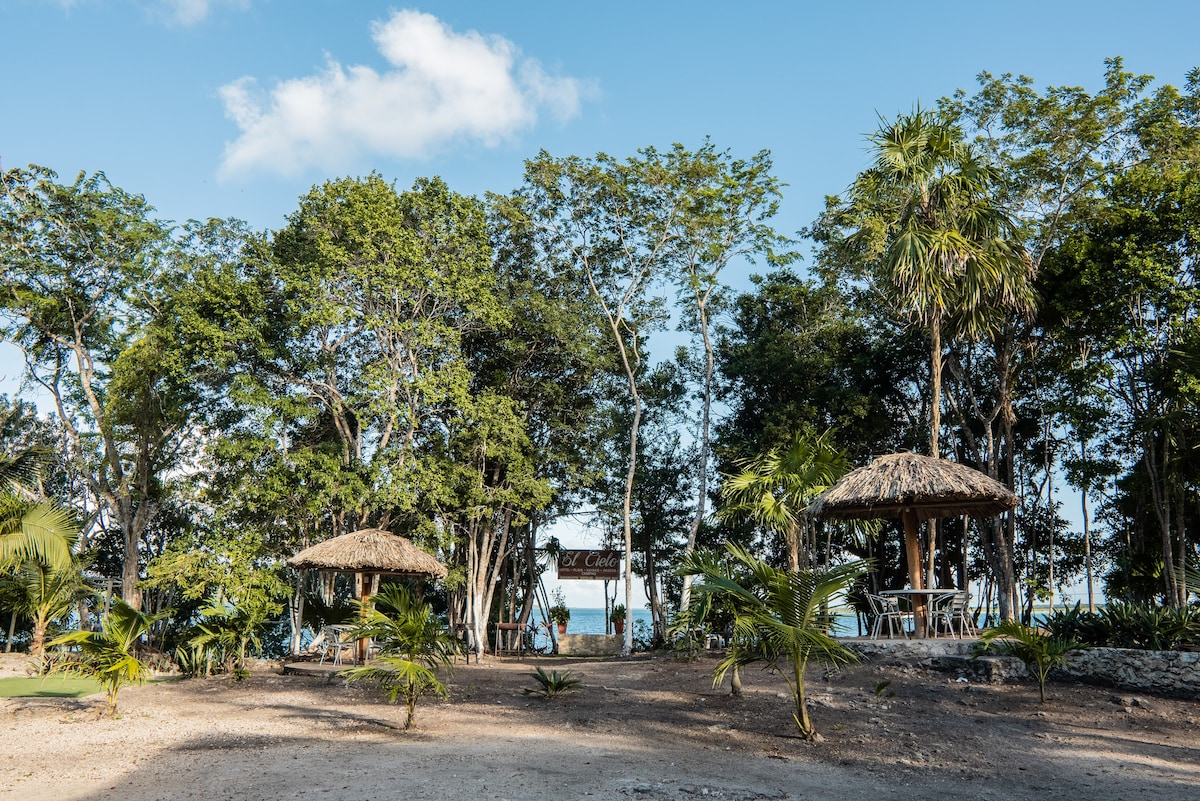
50,687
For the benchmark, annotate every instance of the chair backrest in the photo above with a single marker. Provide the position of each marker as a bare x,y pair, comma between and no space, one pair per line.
883,604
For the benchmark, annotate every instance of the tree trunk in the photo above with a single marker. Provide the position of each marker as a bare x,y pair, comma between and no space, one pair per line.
912,552
685,595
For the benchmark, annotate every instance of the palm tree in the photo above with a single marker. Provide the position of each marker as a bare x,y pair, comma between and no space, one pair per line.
110,655
780,618
945,252
30,529
773,489
45,595
412,644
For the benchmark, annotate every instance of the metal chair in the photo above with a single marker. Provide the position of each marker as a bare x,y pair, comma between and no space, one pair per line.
952,608
885,608
334,645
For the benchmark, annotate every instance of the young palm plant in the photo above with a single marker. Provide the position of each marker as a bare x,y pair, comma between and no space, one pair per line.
1040,652
46,595
779,618
412,644
553,684
110,655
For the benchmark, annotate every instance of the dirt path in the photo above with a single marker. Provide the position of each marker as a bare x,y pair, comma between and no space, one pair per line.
647,728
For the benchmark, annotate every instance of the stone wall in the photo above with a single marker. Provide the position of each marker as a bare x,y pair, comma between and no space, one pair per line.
1165,672
589,644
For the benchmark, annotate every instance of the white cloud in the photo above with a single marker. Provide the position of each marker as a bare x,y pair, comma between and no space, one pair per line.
444,87
193,12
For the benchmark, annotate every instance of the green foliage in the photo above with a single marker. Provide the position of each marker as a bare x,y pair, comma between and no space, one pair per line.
231,574
617,614
1038,651
38,531
1119,624
226,633
110,654
780,617
774,489
553,684
412,643
559,612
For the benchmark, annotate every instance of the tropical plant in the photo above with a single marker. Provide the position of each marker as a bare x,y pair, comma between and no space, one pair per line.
1120,624
617,614
110,654
47,595
228,631
559,612
34,530
552,684
1038,651
779,618
774,489
412,644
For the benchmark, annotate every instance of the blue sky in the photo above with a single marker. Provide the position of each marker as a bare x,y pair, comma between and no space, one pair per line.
180,100
234,108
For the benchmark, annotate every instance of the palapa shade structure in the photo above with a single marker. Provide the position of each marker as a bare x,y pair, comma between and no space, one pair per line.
366,553
913,488
371,550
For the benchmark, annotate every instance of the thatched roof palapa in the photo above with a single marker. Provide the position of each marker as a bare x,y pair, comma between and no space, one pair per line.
900,482
370,550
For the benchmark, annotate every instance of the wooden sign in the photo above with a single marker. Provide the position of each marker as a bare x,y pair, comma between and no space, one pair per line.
595,565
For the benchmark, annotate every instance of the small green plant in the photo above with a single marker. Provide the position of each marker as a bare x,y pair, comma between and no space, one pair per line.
882,689
1040,652
559,612
617,615
412,643
552,684
110,655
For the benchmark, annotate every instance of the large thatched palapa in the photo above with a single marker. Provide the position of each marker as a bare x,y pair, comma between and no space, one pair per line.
930,487
913,488
371,550
369,554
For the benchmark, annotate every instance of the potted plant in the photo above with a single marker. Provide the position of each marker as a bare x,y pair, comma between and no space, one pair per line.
617,616
559,613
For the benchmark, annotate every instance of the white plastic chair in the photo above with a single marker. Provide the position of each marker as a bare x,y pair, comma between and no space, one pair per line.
887,609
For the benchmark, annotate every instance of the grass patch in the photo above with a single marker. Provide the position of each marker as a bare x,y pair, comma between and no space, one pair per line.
50,687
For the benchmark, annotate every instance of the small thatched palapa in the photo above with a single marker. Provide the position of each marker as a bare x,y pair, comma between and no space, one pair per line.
913,488
900,482
371,550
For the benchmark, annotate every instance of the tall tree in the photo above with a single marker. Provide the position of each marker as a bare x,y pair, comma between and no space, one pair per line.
934,242
81,266
611,222
729,205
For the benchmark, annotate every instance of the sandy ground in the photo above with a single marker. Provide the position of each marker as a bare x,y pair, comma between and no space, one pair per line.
646,728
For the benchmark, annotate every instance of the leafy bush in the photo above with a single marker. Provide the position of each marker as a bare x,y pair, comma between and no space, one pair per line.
552,684
1040,652
1129,625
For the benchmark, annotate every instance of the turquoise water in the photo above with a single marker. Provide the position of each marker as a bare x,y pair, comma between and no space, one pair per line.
591,621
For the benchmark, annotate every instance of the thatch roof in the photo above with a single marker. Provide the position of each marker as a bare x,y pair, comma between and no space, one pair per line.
931,487
370,550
